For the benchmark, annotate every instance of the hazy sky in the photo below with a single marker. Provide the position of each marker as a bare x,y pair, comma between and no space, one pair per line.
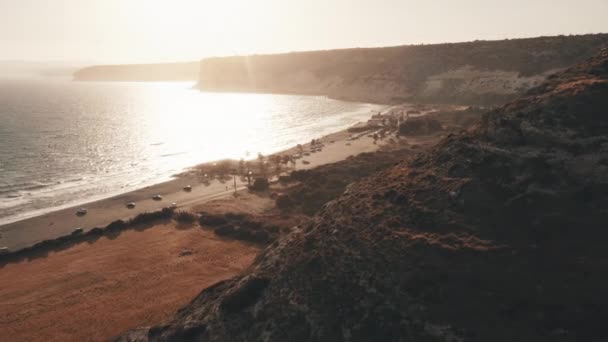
118,31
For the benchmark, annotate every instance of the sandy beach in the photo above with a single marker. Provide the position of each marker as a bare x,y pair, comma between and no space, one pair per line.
21,234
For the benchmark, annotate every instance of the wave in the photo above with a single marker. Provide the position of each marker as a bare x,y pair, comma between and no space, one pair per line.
173,154
23,186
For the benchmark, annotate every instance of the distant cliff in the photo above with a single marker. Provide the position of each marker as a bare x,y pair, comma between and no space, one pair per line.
184,71
473,72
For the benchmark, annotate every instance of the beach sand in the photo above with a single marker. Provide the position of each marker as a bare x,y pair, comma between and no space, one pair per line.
96,291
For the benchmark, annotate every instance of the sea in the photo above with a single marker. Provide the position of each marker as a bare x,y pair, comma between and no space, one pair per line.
64,143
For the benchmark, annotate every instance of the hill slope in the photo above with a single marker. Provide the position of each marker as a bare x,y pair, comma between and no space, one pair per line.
498,234
183,71
473,72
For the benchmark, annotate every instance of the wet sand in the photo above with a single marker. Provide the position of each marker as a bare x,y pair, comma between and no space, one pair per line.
92,292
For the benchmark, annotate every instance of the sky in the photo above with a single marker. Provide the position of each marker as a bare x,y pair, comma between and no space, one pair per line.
142,31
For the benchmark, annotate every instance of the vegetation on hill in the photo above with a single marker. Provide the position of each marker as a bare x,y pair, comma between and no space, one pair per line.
495,234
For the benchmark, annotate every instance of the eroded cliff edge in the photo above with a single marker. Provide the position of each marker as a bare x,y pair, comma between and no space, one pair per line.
480,72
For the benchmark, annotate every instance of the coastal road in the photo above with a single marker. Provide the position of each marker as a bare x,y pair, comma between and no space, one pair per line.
21,234
100,213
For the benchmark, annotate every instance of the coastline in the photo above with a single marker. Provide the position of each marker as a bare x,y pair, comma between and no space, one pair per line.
27,232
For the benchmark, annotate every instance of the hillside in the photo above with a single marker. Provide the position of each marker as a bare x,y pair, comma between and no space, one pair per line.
185,71
496,234
473,72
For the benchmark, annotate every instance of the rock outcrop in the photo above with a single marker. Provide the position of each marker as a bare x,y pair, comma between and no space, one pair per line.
497,234
486,72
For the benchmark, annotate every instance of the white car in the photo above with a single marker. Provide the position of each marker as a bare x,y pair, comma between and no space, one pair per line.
188,188
173,205
4,250
157,197
130,205
81,212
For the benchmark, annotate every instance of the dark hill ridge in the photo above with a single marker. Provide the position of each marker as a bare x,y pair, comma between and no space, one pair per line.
472,72
497,234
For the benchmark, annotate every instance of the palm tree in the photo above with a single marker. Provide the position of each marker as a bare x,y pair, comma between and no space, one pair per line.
293,162
241,166
262,164
277,164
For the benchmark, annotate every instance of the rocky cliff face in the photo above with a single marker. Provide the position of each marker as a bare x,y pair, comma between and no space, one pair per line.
475,72
497,234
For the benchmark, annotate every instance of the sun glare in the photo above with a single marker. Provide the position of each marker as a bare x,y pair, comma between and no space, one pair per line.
216,26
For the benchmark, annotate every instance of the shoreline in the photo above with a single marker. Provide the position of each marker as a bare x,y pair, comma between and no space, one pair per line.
27,232
59,191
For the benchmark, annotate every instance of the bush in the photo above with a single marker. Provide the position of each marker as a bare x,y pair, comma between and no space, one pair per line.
211,220
234,216
165,213
260,184
419,126
225,230
117,225
184,217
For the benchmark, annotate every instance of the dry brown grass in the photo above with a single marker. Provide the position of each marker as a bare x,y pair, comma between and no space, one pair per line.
96,291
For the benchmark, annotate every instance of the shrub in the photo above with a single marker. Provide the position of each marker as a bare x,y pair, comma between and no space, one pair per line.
211,220
260,184
419,126
225,230
116,226
184,217
165,213
234,216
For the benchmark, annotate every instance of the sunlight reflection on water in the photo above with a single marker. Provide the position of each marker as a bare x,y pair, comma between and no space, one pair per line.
62,142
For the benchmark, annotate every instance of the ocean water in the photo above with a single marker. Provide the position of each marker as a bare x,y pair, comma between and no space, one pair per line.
64,143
